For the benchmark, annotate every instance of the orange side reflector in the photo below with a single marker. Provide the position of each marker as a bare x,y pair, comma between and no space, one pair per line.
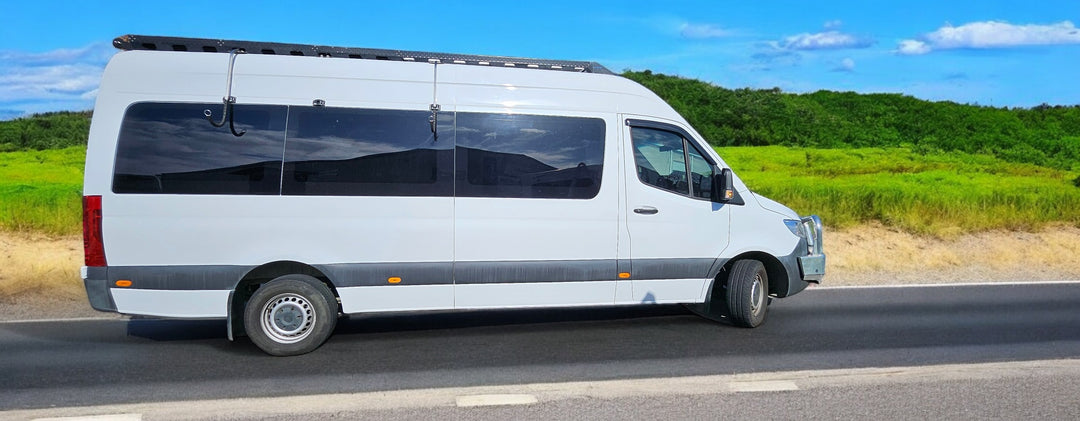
394,280
624,275
123,283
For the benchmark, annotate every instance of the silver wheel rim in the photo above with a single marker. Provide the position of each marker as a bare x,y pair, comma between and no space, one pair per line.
757,295
287,318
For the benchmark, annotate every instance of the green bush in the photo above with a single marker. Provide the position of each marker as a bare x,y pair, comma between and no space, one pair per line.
45,131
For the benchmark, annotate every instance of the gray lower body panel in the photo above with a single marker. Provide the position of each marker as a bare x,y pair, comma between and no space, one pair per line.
795,282
100,280
802,269
97,291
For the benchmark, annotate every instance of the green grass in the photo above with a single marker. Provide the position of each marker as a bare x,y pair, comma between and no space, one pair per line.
41,191
937,193
940,194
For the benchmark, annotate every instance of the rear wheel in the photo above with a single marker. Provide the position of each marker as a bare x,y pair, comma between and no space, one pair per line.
748,293
290,315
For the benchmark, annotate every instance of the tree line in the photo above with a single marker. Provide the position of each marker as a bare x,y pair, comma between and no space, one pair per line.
1043,135
45,131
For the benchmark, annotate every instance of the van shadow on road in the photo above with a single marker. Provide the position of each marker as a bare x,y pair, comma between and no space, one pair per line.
166,330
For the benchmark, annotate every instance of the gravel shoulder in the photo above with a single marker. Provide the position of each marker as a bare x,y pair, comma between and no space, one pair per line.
877,255
39,276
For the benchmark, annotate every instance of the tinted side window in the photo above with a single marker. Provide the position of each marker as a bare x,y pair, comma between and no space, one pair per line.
529,156
171,148
358,152
660,160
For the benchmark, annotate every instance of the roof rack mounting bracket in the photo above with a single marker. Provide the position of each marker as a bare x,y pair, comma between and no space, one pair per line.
434,120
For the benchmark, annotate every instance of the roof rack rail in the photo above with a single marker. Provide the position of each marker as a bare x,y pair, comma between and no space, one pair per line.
144,42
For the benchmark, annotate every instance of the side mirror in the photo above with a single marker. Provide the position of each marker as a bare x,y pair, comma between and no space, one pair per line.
723,186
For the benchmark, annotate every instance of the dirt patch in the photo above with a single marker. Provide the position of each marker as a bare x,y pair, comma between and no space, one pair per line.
876,255
39,278
39,275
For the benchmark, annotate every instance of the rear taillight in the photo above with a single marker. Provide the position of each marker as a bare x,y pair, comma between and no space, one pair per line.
93,246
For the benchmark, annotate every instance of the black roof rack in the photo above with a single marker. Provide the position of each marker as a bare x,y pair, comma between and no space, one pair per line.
144,42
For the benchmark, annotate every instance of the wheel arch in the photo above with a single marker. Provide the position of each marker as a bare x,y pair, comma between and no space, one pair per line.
778,273
262,274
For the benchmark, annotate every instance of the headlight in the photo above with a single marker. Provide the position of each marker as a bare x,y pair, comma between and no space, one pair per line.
795,226
812,228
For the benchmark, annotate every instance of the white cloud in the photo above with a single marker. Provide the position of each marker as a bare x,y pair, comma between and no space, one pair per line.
828,40
23,83
704,31
1002,34
62,79
991,34
910,47
94,53
845,65
789,52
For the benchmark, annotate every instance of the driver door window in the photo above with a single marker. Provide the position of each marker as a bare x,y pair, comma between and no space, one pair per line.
661,159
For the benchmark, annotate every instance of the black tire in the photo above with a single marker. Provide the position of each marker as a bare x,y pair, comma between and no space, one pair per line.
748,293
290,315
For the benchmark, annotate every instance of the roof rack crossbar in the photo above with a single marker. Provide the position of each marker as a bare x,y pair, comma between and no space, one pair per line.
145,42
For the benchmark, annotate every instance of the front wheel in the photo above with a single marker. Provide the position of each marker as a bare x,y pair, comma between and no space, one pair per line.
748,293
290,315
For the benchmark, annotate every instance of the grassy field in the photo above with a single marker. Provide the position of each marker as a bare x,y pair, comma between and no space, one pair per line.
41,191
941,194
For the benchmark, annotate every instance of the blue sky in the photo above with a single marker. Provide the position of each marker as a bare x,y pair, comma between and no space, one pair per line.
1000,53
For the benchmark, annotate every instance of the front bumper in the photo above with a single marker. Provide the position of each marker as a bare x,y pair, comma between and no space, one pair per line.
812,266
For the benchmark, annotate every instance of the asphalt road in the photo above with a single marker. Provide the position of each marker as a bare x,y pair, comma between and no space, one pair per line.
78,363
993,399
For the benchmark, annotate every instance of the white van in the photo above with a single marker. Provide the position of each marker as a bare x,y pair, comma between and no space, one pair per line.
343,180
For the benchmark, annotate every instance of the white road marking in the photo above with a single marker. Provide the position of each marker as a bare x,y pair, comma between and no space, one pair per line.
109,417
940,285
553,392
763,386
495,400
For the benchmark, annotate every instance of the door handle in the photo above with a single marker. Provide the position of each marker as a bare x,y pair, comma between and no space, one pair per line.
646,210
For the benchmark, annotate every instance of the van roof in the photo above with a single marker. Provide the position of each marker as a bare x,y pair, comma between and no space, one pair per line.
162,43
